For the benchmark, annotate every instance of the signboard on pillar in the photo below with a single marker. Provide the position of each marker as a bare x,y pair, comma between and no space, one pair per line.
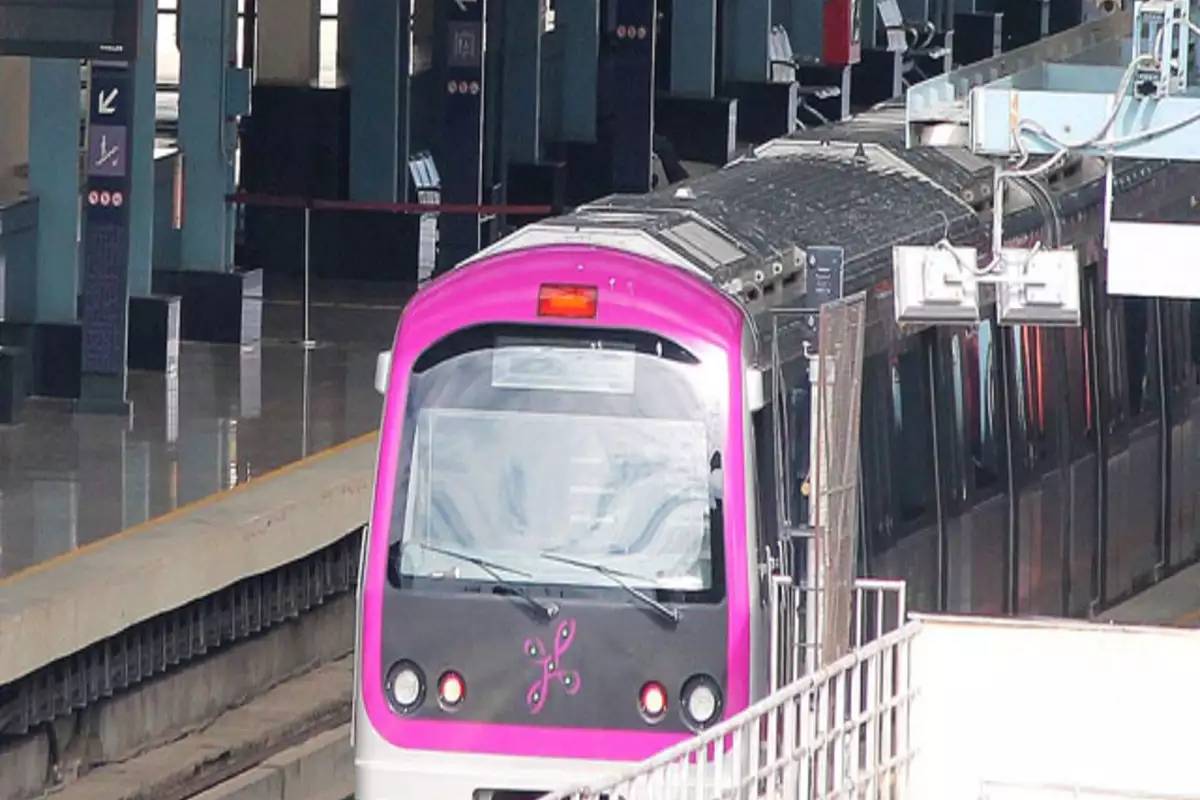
842,43
106,238
627,90
74,30
458,150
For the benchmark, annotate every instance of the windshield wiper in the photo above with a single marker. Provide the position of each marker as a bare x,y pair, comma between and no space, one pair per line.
669,613
548,609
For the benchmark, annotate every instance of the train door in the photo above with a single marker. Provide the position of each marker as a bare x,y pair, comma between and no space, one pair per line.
898,466
973,466
1083,447
1038,417
1178,320
1132,536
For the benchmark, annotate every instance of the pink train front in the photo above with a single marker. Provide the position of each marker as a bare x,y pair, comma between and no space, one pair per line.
558,573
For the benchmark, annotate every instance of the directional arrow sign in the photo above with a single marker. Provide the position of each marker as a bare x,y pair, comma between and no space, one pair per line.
106,100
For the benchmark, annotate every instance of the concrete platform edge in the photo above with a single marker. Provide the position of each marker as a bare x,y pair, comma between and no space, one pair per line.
60,607
320,769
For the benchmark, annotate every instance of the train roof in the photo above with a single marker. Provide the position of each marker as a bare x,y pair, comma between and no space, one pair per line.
750,226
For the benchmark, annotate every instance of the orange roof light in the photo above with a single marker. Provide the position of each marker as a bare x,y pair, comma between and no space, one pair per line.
566,300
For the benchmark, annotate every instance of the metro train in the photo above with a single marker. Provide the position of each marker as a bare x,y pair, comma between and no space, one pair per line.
576,481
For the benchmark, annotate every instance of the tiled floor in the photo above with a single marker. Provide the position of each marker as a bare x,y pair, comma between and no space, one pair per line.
228,415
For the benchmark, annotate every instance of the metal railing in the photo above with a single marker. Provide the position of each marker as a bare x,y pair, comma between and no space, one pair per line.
1003,790
877,607
839,732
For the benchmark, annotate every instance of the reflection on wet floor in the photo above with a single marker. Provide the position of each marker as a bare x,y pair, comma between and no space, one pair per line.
227,415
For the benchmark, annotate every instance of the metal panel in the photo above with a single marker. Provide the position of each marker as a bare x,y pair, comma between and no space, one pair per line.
1151,259
842,329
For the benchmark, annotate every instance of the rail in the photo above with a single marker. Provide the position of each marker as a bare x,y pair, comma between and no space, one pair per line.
839,732
1003,790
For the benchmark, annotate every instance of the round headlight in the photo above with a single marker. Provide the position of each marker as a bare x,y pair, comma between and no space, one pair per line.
701,701
406,686
451,688
652,700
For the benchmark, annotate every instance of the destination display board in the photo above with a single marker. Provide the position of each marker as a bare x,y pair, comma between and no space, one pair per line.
83,29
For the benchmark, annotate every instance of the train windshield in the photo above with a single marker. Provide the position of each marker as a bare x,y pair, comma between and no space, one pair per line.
534,455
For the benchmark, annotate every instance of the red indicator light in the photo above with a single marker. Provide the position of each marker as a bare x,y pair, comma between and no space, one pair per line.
452,688
566,300
653,700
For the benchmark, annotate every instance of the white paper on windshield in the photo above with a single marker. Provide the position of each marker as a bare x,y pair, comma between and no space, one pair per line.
563,369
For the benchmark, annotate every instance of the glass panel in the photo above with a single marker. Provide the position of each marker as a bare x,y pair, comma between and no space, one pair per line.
508,485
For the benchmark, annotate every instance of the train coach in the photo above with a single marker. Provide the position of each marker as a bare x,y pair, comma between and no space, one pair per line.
578,467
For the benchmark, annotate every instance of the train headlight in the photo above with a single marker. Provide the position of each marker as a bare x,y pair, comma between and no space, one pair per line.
406,686
451,689
701,701
652,701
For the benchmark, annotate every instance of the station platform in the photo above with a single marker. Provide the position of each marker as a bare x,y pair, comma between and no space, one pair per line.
245,459
1174,602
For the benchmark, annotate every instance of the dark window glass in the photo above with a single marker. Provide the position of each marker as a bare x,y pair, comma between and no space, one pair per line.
982,403
912,434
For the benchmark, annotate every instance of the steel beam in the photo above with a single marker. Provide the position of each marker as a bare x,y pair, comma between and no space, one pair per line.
1072,114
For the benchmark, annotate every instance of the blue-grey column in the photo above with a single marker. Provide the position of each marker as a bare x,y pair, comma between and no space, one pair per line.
579,22
54,179
744,49
379,100
141,158
206,137
523,25
693,48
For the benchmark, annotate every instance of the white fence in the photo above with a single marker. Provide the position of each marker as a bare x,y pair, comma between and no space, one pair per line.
839,732
956,707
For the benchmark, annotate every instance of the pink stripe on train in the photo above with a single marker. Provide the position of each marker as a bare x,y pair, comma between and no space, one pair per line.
634,293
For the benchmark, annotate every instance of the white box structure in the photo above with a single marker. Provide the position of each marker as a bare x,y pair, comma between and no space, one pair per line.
1154,259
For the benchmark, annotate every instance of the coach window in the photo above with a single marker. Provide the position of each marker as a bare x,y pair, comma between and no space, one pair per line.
1078,374
1114,366
876,442
912,435
1140,356
959,389
982,385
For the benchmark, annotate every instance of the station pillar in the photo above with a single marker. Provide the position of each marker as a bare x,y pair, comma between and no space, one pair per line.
377,64
460,54
207,141
54,180
53,333
218,303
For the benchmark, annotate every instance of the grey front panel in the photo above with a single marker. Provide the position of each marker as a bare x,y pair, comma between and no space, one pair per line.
613,649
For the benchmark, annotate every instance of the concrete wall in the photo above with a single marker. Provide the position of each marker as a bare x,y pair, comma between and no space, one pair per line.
1043,707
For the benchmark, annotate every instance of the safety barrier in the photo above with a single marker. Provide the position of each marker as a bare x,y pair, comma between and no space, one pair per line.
839,732
877,607
308,205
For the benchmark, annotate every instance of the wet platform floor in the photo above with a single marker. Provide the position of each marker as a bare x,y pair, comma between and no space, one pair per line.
228,414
